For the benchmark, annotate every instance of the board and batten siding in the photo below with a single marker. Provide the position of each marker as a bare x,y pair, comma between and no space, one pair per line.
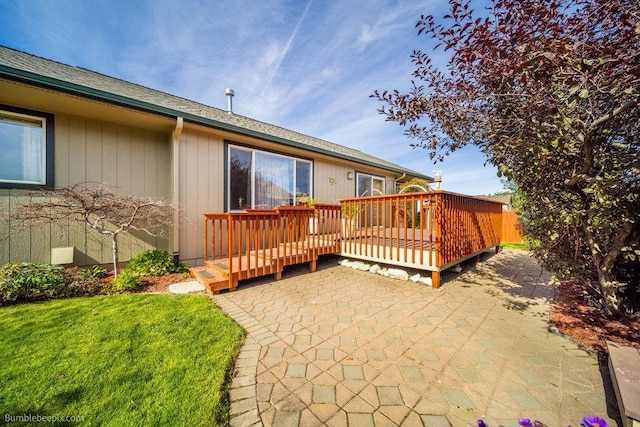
127,159
202,180
331,183
201,188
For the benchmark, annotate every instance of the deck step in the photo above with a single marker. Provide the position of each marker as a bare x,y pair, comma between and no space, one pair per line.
623,368
218,266
211,278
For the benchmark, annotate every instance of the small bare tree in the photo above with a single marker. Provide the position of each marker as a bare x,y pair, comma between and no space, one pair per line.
98,208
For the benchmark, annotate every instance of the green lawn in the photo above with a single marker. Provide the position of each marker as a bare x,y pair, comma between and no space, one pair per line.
118,360
524,246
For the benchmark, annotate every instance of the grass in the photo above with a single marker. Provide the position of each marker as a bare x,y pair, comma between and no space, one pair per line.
119,360
524,246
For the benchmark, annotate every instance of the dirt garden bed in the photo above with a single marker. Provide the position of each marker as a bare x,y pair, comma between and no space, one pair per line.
588,326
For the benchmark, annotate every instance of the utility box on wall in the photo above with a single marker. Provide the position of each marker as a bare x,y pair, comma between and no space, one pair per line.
60,256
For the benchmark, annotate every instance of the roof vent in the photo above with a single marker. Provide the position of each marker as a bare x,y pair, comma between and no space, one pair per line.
229,93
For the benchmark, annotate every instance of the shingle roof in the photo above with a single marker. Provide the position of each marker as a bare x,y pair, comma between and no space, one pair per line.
17,65
505,199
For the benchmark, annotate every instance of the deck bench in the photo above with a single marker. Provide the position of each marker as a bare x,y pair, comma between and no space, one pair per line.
624,367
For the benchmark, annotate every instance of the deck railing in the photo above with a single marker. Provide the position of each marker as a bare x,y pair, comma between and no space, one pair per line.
258,242
243,243
467,225
428,230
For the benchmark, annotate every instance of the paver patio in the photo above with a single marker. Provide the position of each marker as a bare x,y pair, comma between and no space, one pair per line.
343,347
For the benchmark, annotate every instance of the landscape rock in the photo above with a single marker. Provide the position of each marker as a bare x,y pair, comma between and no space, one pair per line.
426,281
363,266
396,273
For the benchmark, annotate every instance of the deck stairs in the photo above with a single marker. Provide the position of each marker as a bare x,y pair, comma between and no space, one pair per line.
216,274
213,279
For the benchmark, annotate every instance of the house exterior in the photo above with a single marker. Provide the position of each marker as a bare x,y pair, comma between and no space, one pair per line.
505,199
61,125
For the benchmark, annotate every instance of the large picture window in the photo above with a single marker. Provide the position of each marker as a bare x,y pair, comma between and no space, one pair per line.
26,144
262,180
369,185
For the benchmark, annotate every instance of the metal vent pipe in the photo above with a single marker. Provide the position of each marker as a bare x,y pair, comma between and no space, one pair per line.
229,93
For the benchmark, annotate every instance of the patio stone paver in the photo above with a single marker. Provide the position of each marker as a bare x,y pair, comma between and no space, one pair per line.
342,347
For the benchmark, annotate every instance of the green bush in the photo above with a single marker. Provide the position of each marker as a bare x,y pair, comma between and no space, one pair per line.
94,272
128,281
28,281
85,282
155,263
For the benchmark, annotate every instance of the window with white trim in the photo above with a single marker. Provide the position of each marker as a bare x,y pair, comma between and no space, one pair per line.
26,144
263,180
369,185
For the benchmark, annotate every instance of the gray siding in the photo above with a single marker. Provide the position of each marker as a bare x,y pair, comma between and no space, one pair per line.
201,185
130,160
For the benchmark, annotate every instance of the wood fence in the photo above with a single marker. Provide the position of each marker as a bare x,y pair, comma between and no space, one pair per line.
511,227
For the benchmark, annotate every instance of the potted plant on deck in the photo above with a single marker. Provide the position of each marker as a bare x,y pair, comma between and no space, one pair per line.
350,212
310,202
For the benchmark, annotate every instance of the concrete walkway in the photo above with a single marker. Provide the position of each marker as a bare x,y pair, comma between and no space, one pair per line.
342,347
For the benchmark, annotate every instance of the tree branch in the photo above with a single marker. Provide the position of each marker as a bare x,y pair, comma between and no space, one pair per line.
617,111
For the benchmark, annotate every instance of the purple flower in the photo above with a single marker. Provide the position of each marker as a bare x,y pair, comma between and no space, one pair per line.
481,423
593,421
525,422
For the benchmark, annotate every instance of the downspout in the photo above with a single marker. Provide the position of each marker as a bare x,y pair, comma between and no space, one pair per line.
395,181
177,132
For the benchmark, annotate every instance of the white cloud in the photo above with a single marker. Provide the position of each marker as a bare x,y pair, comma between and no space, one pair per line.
366,35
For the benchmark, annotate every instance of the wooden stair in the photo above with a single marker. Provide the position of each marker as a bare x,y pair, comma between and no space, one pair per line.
212,278
215,274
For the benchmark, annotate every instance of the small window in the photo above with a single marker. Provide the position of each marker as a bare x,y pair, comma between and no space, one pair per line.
369,185
26,144
264,180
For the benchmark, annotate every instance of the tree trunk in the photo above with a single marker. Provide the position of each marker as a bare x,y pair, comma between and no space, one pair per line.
114,247
607,264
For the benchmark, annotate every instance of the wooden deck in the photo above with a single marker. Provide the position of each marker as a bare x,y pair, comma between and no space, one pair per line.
242,245
430,231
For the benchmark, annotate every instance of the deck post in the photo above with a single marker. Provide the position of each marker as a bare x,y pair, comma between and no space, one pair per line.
233,282
476,259
313,265
497,249
435,279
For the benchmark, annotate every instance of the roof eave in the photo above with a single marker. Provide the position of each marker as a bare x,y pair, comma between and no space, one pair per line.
104,96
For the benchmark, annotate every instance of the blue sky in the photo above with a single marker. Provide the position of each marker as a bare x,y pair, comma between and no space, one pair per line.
307,66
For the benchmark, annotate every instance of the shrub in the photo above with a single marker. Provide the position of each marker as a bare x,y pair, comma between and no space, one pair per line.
28,281
84,282
128,281
94,272
154,263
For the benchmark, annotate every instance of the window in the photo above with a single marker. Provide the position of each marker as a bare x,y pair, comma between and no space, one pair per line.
369,185
262,180
26,144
